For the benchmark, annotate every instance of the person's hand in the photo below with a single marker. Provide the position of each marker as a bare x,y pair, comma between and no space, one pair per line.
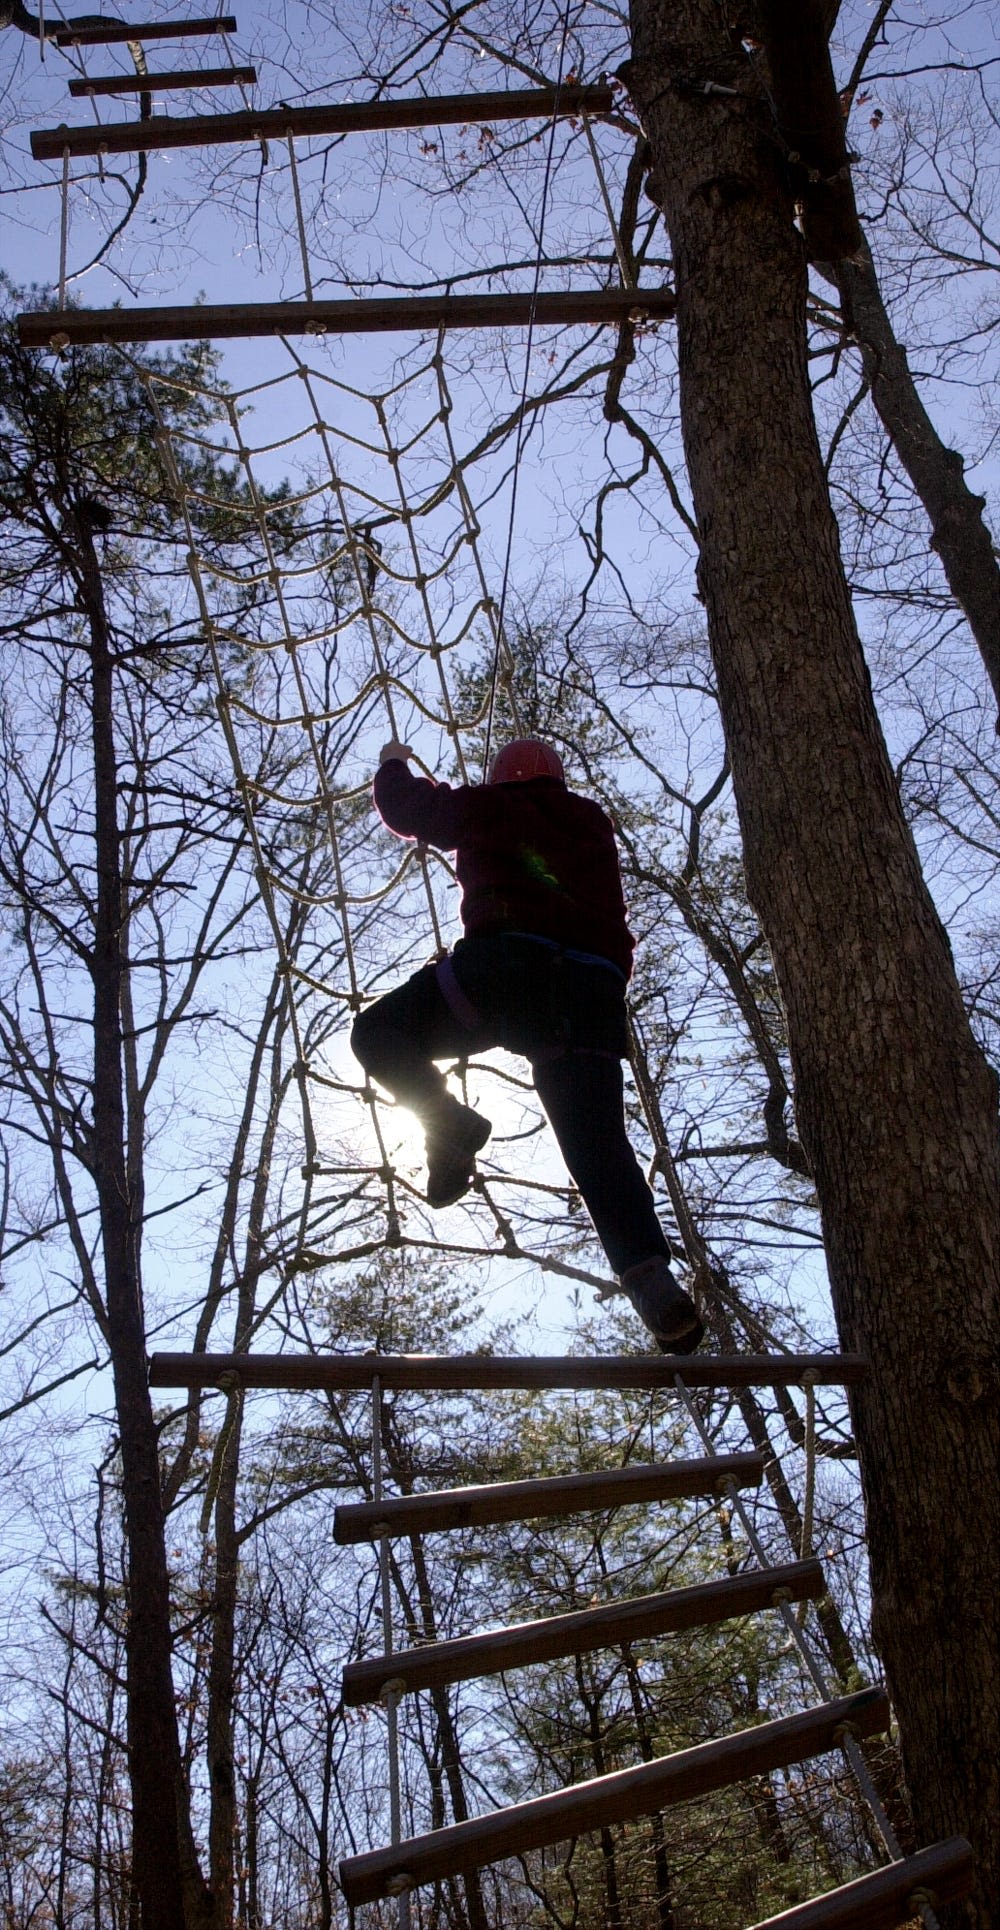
392,749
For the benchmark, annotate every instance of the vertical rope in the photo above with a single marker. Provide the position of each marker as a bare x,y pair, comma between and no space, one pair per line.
522,409
624,265
233,58
64,228
303,249
809,1492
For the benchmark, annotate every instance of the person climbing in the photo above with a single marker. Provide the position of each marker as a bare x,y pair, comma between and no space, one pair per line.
542,970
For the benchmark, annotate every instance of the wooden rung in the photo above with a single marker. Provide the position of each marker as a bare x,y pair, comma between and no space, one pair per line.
936,1876
381,315
335,117
189,77
113,32
610,1626
461,1373
480,1507
617,1798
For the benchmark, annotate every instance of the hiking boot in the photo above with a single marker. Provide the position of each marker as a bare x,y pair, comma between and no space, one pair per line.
453,1138
663,1306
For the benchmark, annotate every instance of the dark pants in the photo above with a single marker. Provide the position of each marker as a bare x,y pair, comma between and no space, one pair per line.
564,1015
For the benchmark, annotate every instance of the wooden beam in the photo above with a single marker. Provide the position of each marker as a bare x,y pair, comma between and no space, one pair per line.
938,1876
189,77
336,117
460,1373
617,1798
480,1507
62,328
610,1626
111,33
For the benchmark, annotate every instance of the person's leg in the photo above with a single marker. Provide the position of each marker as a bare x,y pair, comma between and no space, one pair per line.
582,1093
583,1096
397,1040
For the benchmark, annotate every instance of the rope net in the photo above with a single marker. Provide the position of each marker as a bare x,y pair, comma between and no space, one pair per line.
374,618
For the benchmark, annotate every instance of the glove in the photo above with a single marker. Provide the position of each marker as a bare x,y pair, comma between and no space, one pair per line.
392,749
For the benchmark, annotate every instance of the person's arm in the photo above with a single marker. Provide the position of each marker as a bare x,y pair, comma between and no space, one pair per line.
415,807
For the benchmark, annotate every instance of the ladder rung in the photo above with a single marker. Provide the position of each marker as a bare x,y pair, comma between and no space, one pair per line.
479,1507
380,315
114,32
617,1798
160,83
609,1626
463,1373
335,117
939,1875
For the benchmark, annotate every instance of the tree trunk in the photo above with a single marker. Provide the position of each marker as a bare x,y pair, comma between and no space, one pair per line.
423,1620
896,1105
451,1757
613,1919
665,1919
165,1871
224,1478
219,1749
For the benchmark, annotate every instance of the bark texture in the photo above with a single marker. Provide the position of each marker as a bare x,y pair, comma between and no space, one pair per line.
896,1105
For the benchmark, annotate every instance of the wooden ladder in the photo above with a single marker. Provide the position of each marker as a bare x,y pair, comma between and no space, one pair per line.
109,33
885,1898
377,315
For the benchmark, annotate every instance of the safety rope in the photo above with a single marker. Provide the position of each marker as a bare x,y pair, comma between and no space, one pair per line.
519,440
63,227
300,222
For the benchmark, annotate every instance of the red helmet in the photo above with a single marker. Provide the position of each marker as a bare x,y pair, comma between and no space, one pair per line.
525,758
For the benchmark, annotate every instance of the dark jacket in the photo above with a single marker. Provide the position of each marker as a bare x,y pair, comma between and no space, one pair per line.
530,856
